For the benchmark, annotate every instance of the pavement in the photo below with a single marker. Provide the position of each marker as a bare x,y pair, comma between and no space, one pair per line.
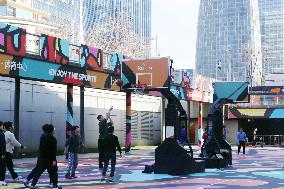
260,168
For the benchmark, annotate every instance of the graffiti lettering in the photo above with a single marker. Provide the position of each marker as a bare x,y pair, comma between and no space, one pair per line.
73,75
12,65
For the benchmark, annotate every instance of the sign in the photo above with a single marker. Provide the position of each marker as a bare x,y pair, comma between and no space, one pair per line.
74,54
32,44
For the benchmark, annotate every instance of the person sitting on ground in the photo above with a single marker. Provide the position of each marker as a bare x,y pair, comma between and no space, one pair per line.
111,143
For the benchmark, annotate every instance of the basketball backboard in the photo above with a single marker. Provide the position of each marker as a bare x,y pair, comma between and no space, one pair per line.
153,72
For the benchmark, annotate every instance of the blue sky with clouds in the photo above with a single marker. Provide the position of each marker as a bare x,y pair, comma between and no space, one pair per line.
175,24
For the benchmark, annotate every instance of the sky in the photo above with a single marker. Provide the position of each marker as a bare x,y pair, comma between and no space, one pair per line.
175,25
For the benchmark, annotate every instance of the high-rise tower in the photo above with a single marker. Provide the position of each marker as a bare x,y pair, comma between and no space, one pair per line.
229,40
97,11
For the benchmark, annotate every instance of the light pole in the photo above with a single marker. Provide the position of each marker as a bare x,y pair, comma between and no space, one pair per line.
156,44
218,66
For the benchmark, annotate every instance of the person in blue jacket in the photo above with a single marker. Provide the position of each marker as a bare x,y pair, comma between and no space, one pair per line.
241,137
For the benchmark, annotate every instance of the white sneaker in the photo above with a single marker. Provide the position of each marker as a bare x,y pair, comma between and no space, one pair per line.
19,178
3,183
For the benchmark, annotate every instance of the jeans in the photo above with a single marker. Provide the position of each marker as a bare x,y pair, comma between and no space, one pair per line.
112,158
2,169
44,164
243,144
72,162
101,152
33,172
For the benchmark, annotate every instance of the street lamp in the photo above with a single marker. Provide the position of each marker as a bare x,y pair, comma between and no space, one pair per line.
156,44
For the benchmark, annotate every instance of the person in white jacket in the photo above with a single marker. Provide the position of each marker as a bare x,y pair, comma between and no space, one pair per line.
11,142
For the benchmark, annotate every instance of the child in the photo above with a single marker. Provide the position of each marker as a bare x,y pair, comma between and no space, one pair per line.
11,142
110,145
73,144
47,157
2,156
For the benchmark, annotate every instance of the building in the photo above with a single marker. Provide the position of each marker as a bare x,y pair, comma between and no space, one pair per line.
50,16
65,13
97,11
271,23
229,42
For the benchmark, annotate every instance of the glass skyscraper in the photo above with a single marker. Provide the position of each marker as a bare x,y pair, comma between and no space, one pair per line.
229,41
271,23
96,11
65,12
44,14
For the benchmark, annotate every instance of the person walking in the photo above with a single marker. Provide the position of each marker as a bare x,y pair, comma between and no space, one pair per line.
73,144
32,173
111,143
47,157
103,125
2,156
254,137
241,137
11,142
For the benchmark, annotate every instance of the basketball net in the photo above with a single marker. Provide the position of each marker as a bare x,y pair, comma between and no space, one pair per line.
138,88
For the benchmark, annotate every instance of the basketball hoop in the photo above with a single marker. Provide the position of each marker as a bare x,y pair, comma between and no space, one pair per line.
139,88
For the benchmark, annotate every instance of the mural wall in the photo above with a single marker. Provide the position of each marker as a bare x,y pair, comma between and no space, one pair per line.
12,40
268,113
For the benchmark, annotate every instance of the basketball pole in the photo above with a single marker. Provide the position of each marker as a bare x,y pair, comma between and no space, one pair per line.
128,122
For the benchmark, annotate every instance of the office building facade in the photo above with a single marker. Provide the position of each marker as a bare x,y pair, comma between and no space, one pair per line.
39,16
97,11
229,41
271,26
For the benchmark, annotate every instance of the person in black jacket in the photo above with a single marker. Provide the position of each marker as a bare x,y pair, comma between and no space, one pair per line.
47,157
2,156
33,172
110,145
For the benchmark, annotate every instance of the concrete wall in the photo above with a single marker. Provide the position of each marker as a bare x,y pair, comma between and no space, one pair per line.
42,103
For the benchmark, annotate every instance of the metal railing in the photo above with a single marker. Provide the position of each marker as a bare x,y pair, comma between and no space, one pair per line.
272,140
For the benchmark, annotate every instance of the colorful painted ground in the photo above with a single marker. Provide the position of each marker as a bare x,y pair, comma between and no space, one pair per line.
259,168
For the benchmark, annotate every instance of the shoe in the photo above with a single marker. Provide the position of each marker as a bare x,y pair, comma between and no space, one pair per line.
103,179
68,176
3,183
111,179
17,179
73,175
32,187
57,187
26,183
50,184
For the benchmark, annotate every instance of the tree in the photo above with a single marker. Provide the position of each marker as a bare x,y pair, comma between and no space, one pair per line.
116,34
